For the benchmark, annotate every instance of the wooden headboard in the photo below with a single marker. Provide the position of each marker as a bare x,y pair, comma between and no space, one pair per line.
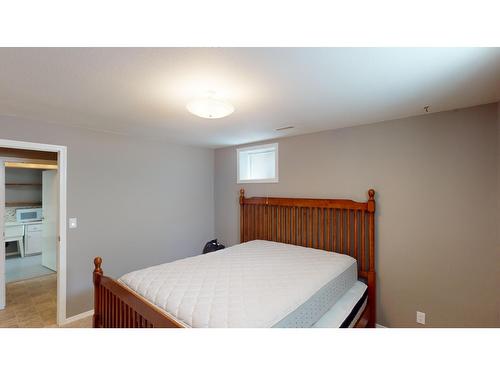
340,225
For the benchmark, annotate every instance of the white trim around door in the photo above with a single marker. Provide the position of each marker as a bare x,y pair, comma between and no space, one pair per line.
61,254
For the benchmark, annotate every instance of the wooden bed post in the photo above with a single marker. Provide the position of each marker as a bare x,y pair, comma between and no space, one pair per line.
242,223
372,285
96,321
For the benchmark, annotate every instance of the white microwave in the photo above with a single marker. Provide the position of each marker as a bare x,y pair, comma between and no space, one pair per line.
28,214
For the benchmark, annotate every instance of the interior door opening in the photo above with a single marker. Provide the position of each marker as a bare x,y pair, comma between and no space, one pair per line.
30,200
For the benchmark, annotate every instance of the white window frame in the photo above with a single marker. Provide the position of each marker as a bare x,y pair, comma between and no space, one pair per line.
263,180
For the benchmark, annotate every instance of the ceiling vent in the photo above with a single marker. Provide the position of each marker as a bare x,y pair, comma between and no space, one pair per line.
284,128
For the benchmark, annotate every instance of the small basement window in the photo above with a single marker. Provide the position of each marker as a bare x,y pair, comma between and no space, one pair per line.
258,164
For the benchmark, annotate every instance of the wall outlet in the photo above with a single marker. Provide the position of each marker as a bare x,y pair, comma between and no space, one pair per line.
420,317
73,223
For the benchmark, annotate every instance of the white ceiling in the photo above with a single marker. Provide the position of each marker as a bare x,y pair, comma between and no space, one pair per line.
143,91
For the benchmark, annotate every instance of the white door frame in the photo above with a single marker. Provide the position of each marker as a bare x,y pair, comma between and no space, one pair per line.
61,254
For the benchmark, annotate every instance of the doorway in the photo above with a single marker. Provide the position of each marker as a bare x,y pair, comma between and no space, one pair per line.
48,234
30,219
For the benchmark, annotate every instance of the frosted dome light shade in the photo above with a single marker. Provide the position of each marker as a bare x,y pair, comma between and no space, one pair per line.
210,108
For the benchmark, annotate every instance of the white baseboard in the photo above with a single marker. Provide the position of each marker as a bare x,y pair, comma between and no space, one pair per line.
75,318
379,326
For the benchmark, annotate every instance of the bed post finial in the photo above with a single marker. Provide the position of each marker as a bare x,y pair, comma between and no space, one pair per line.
242,195
371,200
97,271
97,265
371,194
97,274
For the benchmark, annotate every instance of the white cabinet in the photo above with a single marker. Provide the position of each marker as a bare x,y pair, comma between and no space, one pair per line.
33,239
14,232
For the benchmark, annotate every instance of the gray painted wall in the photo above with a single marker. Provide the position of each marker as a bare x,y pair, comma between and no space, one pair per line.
436,180
138,202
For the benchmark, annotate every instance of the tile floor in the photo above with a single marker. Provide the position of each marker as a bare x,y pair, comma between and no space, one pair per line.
17,268
32,304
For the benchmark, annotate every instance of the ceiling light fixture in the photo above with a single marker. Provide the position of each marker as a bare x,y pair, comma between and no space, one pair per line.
210,107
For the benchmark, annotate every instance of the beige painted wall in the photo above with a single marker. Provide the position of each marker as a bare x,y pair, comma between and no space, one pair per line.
138,202
436,183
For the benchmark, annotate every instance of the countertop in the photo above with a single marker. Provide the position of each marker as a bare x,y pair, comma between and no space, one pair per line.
14,223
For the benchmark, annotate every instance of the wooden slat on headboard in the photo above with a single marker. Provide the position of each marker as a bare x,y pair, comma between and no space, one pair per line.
339,225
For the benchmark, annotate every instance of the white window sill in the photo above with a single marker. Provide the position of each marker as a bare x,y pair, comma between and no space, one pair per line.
266,181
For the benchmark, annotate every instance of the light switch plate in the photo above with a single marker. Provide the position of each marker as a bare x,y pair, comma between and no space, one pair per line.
73,223
420,317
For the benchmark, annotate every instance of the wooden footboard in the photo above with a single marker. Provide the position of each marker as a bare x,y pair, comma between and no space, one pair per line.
115,306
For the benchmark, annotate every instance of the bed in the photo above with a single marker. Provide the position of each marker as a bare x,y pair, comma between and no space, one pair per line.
301,262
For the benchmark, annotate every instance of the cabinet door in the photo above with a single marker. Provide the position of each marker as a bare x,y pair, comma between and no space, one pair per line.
33,243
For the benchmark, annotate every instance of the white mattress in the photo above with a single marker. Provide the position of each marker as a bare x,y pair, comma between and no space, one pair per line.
343,308
255,284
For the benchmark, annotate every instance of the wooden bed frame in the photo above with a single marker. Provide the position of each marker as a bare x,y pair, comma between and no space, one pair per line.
339,225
